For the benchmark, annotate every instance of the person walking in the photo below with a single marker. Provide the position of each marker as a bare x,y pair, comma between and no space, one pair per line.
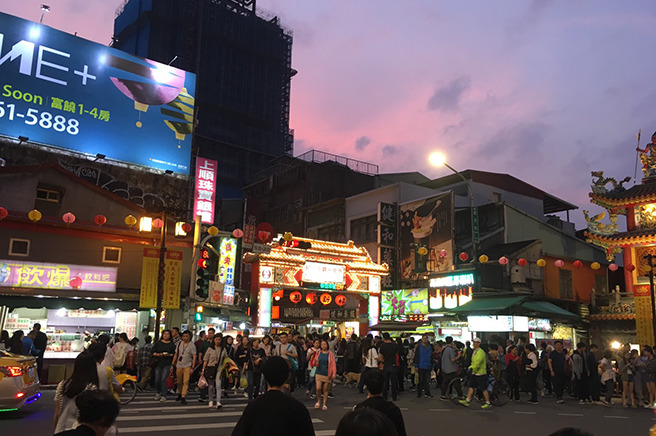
607,376
423,361
275,413
107,380
85,376
650,373
557,370
15,344
40,343
326,371
312,385
184,361
241,359
374,381
369,361
532,369
513,370
212,362
544,367
581,373
478,376
120,352
627,370
387,354
256,360
163,350
594,381
288,352
449,369
145,361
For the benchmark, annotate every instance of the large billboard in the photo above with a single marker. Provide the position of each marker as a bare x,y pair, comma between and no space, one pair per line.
404,305
20,274
426,226
65,91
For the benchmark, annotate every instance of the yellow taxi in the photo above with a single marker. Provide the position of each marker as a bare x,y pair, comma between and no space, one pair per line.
19,381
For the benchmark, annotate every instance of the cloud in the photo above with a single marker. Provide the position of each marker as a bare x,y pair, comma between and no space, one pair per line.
362,142
448,97
390,149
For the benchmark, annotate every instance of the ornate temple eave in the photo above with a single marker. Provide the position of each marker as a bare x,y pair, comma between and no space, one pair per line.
623,239
636,195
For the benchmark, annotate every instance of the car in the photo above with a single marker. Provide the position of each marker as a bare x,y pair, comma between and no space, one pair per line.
19,381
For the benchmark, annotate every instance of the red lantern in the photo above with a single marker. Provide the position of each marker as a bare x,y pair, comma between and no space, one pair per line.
325,299
75,282
503,260
311,298
559,263
68,218
340,300
613,267
577,264
158,223
295,297
237,233
186,227
3,213
630,267
463,256
100,219
522,262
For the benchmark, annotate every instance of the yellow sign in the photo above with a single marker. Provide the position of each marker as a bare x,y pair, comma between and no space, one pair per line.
149,272
172,279
644,327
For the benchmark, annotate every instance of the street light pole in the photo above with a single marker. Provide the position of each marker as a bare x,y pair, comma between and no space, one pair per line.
472,212
160,276
650,259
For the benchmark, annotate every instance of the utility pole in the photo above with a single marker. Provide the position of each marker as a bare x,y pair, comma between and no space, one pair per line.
160,276
650,260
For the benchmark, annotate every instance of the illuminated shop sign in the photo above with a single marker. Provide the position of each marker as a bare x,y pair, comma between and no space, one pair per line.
539,324
264,308
21,274
452,281
228,253
205,192
327,273
62,90
266,274
500,323
404,305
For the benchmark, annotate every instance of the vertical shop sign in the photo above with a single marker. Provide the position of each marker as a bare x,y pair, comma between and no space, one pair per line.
173,264
388,241
205,189
149,272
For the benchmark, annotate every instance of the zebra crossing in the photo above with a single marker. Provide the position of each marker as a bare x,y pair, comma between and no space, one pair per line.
144,416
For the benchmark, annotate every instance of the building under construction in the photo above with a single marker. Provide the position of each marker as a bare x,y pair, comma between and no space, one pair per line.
243,61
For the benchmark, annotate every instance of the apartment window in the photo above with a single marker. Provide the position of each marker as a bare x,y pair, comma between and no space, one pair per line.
565,280
49,195
365,229
19,247
111,255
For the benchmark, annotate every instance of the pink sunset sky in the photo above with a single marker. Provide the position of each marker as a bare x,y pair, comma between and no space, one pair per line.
544,90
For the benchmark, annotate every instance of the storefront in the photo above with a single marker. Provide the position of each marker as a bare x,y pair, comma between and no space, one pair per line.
311,284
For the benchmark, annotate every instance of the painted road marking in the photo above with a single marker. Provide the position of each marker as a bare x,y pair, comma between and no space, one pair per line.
177,416
570,414
186,427
616,417
525,413
440,410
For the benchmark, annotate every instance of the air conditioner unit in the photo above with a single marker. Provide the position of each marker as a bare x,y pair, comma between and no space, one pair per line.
517,275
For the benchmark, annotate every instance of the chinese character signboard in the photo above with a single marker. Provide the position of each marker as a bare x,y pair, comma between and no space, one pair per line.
62,90
387,255
19,274
172,278
149,272
205,192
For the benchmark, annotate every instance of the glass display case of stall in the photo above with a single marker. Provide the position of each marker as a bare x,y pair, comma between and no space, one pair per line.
64,345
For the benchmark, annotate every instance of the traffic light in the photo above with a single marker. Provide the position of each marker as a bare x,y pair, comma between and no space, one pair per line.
203,276
199,313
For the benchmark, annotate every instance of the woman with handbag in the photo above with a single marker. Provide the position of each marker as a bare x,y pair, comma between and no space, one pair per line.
163,351
312,386
326,371
212,361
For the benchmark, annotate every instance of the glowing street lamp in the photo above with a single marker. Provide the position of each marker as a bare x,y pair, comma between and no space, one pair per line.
146,224
438,159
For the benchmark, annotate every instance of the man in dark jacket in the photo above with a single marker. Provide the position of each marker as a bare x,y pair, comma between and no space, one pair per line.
374,380
40,343
594,380
424,363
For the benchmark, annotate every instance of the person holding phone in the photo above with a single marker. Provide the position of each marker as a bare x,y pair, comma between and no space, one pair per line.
163,350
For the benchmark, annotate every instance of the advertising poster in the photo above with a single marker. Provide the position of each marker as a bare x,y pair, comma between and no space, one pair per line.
426,223
62,90
401,304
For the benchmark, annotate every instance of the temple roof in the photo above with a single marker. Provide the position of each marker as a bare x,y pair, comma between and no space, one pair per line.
633,237
643,193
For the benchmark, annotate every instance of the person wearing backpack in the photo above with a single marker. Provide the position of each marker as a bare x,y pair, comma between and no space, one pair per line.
288,352
120,351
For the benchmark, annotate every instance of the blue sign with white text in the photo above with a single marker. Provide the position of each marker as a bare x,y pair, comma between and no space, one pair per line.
68,92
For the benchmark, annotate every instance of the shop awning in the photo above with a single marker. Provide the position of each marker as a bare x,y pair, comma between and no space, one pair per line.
396,326
520,305
544,309
488,306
